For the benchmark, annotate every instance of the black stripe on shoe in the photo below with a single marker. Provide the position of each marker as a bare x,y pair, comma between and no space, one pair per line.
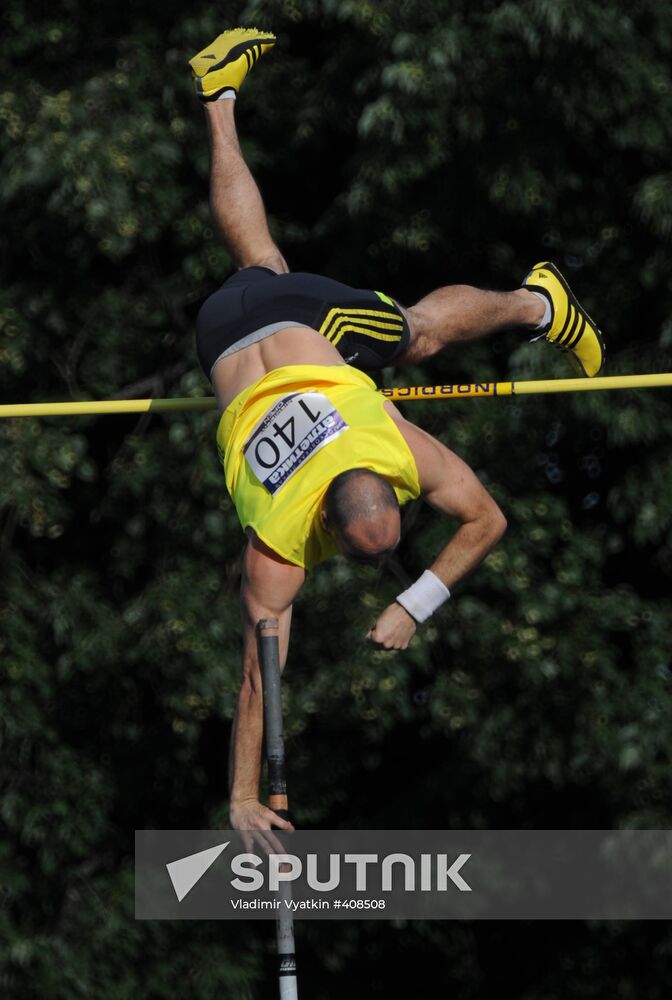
580,330
568,324
574,319
238,50
569,293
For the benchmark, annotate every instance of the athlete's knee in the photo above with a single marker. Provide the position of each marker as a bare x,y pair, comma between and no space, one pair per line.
425,337
416,320
434,316
275,262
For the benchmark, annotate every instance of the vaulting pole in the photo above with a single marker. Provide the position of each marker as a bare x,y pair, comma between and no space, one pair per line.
269,661
400,394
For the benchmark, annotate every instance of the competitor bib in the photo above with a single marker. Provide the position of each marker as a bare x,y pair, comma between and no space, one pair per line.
289,434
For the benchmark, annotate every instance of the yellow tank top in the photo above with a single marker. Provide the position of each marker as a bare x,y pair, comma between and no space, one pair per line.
283,440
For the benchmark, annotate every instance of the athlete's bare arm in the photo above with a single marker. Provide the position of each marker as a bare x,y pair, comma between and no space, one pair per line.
269,587
452,488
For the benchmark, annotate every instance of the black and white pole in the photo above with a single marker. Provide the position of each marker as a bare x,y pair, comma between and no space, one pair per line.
269,658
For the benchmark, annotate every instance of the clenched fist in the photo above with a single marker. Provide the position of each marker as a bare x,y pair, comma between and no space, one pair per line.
394,629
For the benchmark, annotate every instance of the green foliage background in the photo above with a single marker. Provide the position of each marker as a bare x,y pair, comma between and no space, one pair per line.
399,146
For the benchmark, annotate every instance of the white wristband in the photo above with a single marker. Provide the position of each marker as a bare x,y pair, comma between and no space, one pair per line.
423,598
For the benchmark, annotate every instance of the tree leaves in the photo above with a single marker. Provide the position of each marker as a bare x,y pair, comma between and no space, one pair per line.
399,147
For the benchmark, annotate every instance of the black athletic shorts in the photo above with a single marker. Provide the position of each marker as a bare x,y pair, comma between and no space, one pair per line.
366,327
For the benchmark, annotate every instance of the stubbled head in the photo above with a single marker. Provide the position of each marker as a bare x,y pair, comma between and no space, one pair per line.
361,512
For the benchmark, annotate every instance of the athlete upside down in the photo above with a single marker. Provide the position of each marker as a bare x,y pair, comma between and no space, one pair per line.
316,461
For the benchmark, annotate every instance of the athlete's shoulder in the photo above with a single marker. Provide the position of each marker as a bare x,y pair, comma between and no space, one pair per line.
259,550
269,581
428,453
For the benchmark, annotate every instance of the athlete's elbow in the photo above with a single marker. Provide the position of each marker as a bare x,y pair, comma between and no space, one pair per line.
492,522
497,524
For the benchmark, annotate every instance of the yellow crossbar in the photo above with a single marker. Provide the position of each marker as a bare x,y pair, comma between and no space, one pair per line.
108,406
528,388
401,394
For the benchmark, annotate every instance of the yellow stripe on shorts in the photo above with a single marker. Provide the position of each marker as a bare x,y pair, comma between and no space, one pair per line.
367,322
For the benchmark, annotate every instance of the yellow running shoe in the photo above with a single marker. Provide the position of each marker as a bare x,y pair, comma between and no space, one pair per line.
571,328
223,65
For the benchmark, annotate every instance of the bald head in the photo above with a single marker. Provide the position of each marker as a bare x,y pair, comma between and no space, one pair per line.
361,512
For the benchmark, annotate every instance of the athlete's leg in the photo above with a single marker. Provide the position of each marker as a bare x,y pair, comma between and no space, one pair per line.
459,313
235,201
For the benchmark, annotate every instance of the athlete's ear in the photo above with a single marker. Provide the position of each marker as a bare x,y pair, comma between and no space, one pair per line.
323,519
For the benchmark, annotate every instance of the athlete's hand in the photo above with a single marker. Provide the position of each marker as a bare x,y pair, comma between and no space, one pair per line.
255,821
394,629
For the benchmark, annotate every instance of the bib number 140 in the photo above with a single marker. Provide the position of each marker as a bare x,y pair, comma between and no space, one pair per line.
289,434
